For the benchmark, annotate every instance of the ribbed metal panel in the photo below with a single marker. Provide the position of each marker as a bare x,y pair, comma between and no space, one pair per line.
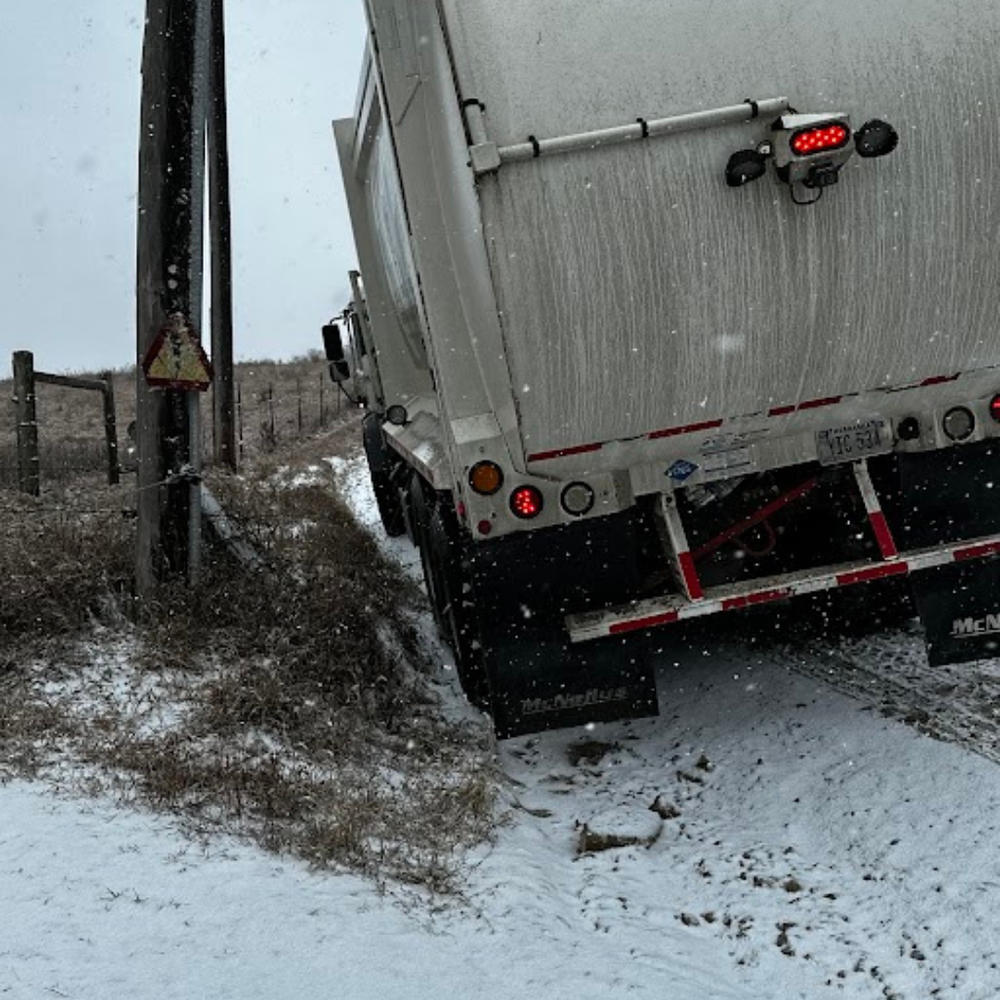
638,291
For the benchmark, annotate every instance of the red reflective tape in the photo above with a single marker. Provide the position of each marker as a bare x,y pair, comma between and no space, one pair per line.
579,449
761,597
813,404
977,551
809,404
637,623
883,535
690,576
938,379
872,573
706,425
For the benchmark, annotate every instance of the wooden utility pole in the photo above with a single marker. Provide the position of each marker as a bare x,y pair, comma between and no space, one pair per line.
223,388
169,280
28,478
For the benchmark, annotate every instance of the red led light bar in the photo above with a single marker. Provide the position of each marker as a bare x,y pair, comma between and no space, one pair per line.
820,139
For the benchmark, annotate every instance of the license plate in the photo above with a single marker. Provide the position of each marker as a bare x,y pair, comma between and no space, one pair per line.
846,444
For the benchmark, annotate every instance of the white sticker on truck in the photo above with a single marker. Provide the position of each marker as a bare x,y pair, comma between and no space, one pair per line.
721,464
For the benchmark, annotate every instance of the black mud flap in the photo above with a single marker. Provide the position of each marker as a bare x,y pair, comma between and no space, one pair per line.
944,497
539,681
959,606
524,586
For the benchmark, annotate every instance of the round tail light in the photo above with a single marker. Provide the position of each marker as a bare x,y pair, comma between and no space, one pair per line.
486,478
958,423
526,502
995,408
577,499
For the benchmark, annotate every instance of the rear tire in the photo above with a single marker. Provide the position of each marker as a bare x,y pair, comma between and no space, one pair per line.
443,555
458,609
384,468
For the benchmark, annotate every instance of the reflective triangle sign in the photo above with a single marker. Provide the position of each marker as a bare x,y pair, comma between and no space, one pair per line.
176,360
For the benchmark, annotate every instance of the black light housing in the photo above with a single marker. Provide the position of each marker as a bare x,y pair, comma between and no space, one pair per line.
396,414
744,166
875,138
823,175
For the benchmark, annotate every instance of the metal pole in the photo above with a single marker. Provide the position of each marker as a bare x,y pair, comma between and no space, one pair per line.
223,417
634,131
28,478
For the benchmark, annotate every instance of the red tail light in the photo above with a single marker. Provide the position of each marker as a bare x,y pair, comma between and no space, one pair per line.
526,502
820,139
995,408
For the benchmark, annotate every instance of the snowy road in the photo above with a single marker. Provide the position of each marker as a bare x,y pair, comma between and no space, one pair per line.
820,847
805,845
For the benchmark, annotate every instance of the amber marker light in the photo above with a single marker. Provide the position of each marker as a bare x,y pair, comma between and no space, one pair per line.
486,478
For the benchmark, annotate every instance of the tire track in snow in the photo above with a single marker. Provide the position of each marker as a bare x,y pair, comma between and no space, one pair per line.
956,703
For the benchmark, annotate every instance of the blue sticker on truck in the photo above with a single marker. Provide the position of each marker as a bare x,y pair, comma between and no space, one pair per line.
682,469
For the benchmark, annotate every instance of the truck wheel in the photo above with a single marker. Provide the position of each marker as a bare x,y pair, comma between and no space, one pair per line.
442,559
382,467
457,609
420,515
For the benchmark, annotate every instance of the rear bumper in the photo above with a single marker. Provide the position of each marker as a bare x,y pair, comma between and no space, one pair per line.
664,611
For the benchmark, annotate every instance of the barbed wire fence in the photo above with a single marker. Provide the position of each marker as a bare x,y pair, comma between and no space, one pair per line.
270,414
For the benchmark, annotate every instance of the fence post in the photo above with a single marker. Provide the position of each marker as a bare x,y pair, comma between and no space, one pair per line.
322,406
239,416
111,428
28,478
298,392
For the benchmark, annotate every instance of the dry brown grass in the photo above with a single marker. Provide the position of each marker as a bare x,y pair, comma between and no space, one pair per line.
289,705
66,561
30,722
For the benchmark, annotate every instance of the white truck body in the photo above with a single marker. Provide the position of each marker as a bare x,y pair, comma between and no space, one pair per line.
607,309
638,294
608,294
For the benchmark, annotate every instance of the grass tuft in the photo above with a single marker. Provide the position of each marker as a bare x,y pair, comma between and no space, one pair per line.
290,705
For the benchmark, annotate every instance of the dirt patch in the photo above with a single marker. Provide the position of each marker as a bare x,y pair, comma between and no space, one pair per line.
588,752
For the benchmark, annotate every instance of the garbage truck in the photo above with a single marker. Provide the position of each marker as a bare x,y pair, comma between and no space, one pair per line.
668,310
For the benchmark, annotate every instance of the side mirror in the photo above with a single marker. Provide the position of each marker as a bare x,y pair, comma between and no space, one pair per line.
332,343
744,166
340,369
875,138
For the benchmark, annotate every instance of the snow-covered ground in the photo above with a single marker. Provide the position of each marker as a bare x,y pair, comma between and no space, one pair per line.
802,845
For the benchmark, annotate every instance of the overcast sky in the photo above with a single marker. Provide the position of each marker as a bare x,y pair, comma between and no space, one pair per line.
70,86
